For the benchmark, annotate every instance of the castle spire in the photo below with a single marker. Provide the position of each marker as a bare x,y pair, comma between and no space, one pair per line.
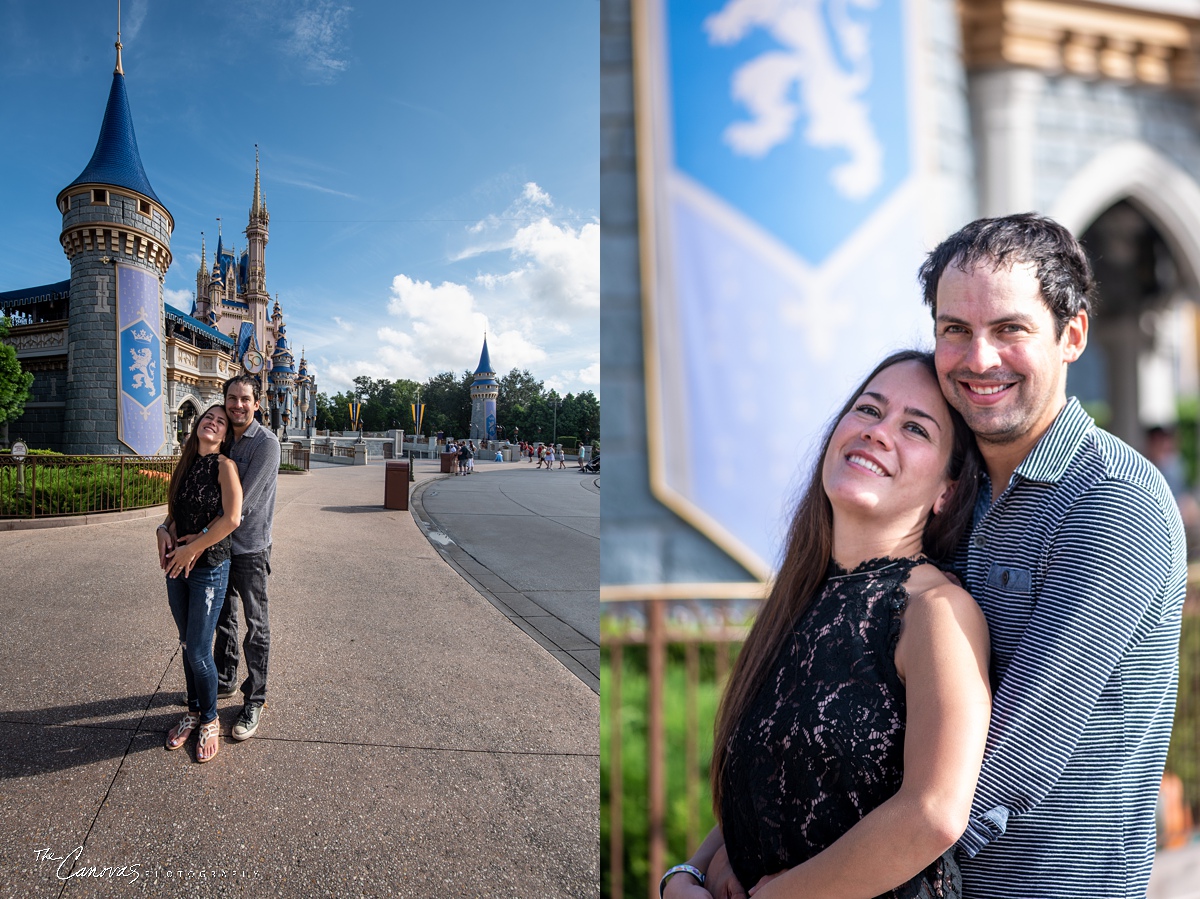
116,160
203,255
485,363
118,70
256,203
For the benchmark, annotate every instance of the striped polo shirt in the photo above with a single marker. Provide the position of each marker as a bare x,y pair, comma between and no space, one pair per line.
1080,568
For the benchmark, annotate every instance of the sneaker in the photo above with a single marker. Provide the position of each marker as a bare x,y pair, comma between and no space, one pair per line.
227,692
247,722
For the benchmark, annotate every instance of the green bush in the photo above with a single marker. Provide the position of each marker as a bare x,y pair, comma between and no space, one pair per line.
72,490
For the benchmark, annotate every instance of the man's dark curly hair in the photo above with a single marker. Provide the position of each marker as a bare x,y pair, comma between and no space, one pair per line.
1063,270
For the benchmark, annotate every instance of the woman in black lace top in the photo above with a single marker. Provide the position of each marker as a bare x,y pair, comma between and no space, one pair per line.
851,733
203,509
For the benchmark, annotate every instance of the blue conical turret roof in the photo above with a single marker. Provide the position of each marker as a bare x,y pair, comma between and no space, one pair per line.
116,160
485,364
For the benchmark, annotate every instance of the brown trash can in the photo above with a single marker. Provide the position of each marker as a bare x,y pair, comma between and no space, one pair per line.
395,485
449,463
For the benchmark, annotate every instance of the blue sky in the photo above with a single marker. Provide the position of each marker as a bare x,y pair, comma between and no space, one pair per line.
431,169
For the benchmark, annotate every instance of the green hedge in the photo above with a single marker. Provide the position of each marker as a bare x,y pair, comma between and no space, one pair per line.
72,490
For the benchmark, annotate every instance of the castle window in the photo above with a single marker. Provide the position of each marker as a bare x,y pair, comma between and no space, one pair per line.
99,197
144,207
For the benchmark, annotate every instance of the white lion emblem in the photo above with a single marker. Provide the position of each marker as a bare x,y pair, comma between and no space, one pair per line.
806,77
143,370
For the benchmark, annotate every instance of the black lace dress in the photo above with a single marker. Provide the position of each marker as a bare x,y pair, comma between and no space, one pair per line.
198,503
822,744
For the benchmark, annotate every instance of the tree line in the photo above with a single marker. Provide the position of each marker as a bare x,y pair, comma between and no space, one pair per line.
525,409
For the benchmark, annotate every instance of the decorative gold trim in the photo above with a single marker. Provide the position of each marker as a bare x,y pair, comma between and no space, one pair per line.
647,170
1092,40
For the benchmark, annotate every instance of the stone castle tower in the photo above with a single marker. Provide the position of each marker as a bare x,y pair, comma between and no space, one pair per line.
117,235
484,390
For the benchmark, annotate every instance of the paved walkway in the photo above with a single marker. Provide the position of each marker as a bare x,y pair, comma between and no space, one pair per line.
415,742
529,541
1176,873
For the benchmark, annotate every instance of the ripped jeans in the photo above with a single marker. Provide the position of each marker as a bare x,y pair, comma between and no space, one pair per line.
196,602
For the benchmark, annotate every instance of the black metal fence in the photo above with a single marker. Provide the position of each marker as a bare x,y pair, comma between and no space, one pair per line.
44,486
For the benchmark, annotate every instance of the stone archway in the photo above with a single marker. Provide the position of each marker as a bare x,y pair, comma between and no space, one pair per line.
186,417
1138,215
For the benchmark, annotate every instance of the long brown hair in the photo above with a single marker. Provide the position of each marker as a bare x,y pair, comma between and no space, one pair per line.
806,561
191,449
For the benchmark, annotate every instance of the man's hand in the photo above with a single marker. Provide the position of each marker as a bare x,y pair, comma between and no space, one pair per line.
165,544
720,881
181,560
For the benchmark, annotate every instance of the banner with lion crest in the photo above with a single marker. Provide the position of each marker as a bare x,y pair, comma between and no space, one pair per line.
787,199
141,424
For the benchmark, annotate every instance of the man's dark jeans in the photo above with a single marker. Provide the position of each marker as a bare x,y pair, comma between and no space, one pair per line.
248,580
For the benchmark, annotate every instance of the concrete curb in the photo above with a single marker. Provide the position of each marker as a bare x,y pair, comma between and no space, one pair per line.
72,521
459,559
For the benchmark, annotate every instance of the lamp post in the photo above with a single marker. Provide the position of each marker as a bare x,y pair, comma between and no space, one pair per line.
554,438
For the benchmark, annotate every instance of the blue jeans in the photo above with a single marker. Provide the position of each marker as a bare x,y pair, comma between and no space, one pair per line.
196,602
247,583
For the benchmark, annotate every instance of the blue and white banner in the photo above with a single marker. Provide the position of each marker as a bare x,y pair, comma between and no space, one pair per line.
784,215
489,418
141,424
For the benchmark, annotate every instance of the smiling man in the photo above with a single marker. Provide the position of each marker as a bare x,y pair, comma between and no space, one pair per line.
1076,556
1077,559
256,452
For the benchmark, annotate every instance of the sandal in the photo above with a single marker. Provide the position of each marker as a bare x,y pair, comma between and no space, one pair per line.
210,735
178,735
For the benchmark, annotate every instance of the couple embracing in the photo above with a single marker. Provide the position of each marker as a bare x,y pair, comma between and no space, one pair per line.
891,731
215,547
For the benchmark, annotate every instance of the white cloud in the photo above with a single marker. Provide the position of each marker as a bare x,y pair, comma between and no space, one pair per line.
343,324
180,299
535,195
562,265
535,293
135,16
316,38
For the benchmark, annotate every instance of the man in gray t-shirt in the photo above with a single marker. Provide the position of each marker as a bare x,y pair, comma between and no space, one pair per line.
256,452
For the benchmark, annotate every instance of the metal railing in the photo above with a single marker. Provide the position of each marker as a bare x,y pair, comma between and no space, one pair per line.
294,454
664,663
43,486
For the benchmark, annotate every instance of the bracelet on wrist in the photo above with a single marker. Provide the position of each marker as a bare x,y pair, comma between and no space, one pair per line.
679,869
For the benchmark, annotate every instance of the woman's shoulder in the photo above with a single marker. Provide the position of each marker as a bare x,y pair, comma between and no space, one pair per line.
932,593
226,463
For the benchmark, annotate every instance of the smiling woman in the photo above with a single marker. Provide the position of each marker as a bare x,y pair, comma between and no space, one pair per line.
851,733
194,546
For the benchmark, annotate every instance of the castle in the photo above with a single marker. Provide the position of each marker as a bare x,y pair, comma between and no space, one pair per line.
116,369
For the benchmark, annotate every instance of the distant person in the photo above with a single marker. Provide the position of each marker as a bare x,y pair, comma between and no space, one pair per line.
463,455
562,456
204,506
1163,450
470,457
256,452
